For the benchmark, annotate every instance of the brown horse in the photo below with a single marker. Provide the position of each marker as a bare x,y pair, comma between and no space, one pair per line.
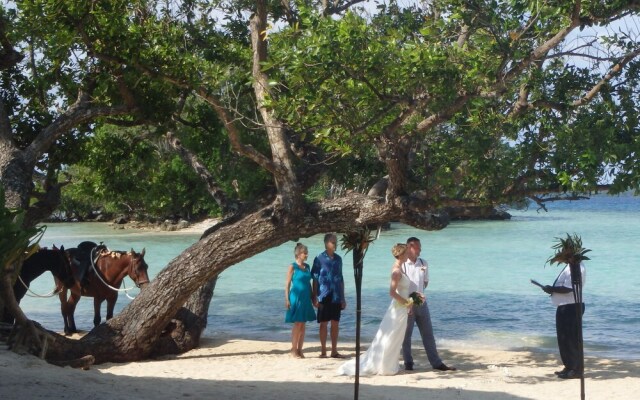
109,268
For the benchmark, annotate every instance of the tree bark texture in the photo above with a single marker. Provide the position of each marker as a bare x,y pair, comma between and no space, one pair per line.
284,169
184,330
395,154
25,337
15,176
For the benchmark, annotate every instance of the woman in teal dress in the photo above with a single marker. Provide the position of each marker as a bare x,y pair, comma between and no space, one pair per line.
297,295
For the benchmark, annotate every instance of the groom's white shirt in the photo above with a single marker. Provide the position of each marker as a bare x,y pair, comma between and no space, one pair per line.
418,274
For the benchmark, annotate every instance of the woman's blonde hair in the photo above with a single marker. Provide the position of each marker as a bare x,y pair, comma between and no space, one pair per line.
300,248
398,249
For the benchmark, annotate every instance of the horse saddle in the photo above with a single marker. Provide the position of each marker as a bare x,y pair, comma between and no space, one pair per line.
81,259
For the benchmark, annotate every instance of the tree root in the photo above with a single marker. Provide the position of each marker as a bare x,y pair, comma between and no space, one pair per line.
34,339
5,331
83,362
25,338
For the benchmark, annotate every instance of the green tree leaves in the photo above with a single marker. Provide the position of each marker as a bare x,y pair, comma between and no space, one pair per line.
489,112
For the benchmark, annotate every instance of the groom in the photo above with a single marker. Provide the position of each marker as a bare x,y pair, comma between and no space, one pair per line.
418,272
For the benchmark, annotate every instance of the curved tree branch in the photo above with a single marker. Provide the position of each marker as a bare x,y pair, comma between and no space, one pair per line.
335,8
537,54
615,70
522,105
192,160
436,119
234,134
81,111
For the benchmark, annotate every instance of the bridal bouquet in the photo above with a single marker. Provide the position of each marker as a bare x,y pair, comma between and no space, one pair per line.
416,298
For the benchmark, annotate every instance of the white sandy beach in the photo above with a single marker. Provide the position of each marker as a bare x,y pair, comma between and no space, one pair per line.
247,369
201,226
195,227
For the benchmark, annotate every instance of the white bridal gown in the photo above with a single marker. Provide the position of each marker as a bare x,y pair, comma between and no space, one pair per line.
382,356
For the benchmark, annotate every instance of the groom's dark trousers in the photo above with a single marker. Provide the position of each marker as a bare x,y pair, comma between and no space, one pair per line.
421,316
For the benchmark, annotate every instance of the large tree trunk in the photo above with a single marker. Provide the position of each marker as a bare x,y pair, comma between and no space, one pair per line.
185,329
287,184
25,336
15,176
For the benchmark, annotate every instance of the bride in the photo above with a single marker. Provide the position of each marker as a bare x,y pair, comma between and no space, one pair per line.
382,356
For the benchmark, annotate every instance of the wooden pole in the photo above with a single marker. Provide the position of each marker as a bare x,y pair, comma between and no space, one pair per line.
576,283
357,273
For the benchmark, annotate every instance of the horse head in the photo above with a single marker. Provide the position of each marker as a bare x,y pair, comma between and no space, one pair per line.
62,268
138,268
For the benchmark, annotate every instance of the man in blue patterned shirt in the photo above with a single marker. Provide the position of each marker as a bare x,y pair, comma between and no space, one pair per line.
328,293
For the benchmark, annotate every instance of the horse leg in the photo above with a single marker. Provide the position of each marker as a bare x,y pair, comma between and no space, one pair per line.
72,303
64,311
97,302
111,304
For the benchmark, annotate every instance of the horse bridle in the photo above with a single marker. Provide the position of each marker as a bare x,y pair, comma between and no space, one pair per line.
133,271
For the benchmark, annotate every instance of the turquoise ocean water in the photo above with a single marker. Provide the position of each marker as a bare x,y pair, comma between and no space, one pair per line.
479,294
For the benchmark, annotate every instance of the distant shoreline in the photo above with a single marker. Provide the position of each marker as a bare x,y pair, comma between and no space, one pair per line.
164,227
200,226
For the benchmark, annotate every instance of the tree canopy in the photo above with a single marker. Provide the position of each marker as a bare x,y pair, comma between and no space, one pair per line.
446,103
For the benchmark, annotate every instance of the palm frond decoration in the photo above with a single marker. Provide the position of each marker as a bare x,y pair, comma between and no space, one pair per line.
568,251
358,240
